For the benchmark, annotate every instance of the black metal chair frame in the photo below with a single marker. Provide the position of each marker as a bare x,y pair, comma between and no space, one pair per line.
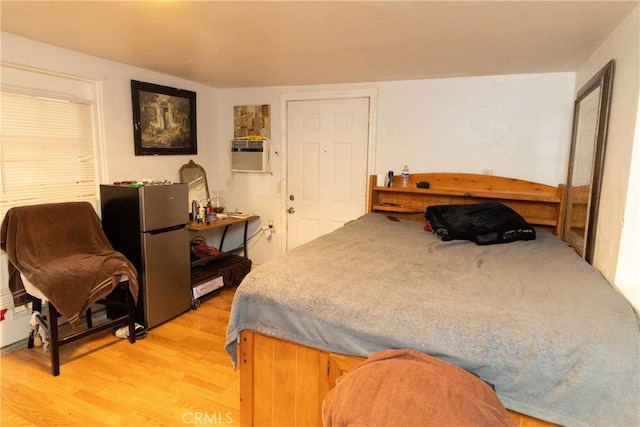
56,341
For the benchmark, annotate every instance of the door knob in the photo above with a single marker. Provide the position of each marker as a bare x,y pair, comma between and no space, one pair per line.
291,210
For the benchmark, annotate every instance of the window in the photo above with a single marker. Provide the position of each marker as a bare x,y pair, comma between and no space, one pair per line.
46,151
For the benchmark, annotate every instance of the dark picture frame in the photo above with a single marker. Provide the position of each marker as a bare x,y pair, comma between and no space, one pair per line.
164,120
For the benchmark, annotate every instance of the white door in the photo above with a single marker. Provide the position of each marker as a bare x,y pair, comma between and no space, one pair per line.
326,165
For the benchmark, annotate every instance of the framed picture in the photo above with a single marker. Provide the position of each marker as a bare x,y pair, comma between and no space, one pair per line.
164,120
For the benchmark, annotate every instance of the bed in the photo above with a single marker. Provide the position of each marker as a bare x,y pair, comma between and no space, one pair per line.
530,317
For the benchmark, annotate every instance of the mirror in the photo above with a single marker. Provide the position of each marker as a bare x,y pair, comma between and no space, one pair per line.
584,181
195,177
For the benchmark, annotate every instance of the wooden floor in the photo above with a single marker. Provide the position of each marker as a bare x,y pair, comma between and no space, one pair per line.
178,375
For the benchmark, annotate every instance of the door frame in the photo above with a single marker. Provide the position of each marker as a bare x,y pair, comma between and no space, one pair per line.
369,92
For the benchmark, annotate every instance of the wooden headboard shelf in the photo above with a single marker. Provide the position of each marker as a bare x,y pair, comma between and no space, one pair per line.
540,204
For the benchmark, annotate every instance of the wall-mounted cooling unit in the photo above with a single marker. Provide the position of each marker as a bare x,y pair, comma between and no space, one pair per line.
249,155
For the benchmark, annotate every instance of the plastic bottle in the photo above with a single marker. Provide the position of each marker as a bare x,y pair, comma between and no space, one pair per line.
209,210
201,213
405,176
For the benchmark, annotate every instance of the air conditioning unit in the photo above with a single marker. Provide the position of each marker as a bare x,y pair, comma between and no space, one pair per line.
249,155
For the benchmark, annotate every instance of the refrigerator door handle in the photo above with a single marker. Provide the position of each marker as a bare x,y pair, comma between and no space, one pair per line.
167,229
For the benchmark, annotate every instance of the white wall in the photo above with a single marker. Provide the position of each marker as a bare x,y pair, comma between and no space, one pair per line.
618,236
518,125
628,272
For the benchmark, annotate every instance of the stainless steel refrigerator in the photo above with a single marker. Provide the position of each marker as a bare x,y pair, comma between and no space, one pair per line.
149,225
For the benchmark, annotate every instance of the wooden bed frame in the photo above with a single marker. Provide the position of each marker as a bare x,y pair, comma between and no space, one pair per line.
541,205
284,383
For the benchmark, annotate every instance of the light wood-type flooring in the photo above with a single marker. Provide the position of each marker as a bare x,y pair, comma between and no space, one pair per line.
178,375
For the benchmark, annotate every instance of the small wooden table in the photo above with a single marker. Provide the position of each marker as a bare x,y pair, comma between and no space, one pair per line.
220,223
205,269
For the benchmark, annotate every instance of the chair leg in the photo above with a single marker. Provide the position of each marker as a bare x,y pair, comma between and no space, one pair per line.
55,342
89,319
53,336
131,310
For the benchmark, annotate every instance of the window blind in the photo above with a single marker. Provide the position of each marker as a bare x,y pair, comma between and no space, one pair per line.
46,151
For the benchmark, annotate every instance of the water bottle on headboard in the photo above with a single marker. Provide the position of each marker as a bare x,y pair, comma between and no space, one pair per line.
405,176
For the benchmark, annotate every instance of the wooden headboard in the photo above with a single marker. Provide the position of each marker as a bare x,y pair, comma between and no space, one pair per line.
540,204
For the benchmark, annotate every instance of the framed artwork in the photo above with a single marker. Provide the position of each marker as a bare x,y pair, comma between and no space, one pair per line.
164,120
252,121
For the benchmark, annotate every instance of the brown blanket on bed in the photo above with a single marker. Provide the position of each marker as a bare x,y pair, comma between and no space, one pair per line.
409,388
61,250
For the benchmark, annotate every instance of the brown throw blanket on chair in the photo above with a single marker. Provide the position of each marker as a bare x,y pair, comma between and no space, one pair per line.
61,250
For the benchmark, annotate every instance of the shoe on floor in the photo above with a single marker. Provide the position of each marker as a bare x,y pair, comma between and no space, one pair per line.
123,332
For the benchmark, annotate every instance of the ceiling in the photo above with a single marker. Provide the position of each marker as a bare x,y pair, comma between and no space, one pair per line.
243,44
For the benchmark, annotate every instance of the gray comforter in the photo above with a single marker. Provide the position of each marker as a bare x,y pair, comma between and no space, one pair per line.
531,317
